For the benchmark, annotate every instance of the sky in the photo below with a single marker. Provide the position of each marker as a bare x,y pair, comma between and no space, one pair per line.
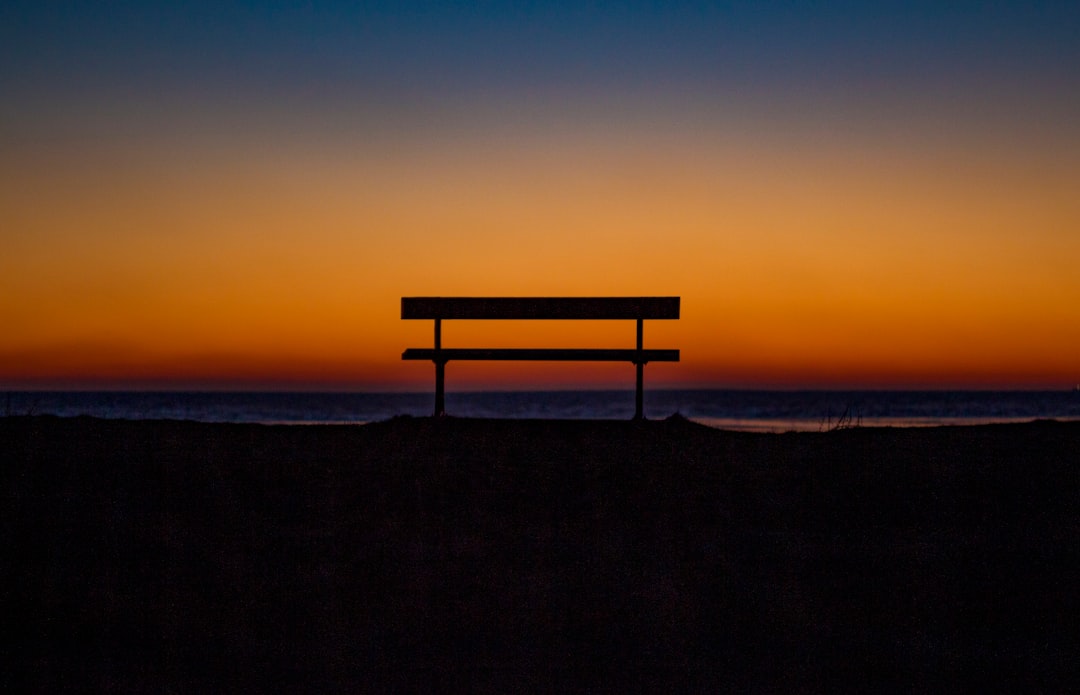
229,195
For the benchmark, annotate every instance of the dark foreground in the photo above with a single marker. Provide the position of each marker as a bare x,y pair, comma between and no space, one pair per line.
419,555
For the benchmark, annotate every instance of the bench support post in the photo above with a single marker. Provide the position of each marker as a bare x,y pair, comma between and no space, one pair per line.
638,398
440,388
639,411
440,372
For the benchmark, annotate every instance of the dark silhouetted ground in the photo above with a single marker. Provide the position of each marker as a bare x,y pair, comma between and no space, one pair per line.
500,556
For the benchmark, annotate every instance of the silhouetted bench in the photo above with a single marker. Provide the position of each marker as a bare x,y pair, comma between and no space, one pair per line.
557,308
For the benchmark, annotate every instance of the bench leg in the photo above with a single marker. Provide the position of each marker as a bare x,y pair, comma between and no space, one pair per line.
440,389
639,411
639,401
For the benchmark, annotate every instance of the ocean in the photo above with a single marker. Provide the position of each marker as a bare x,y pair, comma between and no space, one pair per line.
749,410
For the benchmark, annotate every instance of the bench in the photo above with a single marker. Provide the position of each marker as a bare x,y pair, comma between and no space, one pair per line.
554,308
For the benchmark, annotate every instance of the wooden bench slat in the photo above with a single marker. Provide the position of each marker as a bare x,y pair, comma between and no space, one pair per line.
544,354
557,308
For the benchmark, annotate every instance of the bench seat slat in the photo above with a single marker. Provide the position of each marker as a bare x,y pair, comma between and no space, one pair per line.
556,308
544,354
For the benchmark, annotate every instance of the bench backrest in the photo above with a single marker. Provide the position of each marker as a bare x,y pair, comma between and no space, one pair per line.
540,308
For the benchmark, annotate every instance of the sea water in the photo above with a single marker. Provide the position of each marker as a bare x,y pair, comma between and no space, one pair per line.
770,411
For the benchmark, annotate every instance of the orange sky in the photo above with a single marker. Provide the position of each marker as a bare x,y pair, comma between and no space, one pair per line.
882,254
237,195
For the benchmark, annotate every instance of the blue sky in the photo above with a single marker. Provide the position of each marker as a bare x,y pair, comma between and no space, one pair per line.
146,46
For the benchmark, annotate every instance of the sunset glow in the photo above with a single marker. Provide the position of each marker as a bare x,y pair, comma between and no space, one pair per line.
217,230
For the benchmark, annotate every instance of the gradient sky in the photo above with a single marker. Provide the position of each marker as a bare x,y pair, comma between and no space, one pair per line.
227,194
